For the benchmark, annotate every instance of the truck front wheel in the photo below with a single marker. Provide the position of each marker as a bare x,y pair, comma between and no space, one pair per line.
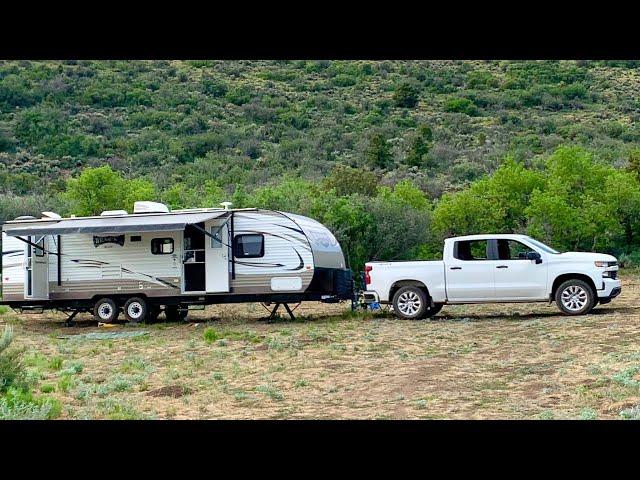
411,303
575,297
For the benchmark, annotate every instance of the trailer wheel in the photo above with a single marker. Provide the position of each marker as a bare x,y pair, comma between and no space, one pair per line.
135,310
175,313
411,303
105,310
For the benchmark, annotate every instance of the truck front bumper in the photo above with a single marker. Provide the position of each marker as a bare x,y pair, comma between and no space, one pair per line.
610,289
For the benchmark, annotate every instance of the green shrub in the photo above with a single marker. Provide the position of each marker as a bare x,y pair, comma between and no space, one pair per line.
21,405
461,105
12,372
210,335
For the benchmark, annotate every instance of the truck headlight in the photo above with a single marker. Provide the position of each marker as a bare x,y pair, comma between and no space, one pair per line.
600,263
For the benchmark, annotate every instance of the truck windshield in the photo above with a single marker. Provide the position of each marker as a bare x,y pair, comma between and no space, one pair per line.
542,246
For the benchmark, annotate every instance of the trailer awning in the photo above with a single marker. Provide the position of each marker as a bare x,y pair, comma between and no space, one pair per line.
112,225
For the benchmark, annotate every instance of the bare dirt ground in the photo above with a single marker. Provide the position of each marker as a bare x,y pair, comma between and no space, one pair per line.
508,361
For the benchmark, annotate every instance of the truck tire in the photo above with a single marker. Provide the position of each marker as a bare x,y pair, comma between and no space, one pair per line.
136,310
175,313
411,303
105,310
575,297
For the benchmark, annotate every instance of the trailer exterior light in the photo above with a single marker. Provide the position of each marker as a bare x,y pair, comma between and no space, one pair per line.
367,277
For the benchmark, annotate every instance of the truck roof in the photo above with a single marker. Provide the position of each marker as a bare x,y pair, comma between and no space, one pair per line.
487,236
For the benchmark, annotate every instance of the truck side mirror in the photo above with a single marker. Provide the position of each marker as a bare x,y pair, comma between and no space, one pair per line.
534,256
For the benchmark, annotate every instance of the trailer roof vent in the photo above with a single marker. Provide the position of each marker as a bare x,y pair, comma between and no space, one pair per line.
51,215
25,217
226,205
150,207
111,213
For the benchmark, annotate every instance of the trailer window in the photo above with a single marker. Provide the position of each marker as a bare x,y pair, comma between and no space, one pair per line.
40,248
248,246
162,246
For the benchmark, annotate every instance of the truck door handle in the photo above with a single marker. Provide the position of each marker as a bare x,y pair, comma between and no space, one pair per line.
502,266
455,268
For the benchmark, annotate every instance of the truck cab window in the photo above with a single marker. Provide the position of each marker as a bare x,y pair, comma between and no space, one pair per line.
512,250
471,250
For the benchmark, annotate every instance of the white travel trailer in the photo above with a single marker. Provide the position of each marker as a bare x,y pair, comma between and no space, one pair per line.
155,259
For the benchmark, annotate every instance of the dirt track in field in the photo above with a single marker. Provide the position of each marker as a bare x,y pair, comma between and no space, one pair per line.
492,361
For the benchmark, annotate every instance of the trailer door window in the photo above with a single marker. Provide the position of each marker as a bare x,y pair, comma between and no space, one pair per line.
40,248
248,246
162,246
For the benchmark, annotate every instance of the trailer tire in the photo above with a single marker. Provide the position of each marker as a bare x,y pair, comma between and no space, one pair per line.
105,310
136,310
175,313
411,303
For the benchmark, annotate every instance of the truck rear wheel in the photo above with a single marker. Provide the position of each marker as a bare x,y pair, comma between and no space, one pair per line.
575,297
135,310
105,310
411,303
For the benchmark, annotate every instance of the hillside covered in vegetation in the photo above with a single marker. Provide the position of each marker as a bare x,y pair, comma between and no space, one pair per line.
378,150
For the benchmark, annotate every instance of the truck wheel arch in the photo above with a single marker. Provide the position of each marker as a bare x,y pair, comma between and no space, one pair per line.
567,276
407,283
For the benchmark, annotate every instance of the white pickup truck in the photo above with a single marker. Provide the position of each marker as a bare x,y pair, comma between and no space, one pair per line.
494,269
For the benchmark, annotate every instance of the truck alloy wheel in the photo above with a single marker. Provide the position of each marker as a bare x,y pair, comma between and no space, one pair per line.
575,297
410,303
105,310
135,310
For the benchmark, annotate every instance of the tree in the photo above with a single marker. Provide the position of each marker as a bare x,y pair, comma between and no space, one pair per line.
586,205
347,180
405,96
494,204
99,189
378,153
420,146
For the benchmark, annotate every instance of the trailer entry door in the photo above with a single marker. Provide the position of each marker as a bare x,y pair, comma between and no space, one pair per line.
36,283
217,251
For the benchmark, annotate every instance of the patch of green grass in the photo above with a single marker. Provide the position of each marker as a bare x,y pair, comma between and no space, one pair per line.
55,363
546,415
625,378
632,413
65,383
271,391
22,405
134,364
47,388
588,414
421,404
120,410
73,369
301,382
3,309
210,335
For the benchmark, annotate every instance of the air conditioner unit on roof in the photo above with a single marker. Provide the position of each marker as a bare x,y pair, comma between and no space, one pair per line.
150,207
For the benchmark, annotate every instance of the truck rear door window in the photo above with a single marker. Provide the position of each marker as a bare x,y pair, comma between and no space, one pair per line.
471,250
